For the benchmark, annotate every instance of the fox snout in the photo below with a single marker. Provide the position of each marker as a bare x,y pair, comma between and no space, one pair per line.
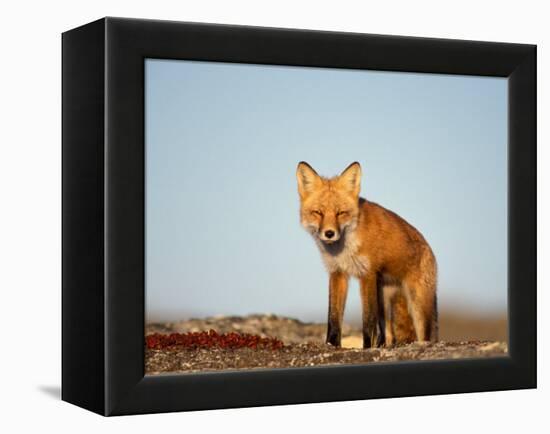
329,233
329,236
326,233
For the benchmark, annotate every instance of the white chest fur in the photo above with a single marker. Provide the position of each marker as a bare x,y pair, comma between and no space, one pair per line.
346,258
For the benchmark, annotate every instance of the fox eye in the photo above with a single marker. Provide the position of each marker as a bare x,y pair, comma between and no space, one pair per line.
342,213
316,212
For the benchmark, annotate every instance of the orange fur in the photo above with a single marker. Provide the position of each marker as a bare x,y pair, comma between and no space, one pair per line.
394,264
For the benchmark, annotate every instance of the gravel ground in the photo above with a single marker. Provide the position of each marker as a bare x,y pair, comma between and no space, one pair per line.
289,330
301,355
304,346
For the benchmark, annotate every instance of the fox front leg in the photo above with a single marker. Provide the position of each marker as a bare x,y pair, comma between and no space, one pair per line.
338,289
369,301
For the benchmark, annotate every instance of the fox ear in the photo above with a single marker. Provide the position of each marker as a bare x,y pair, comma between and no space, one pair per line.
308,179
350,178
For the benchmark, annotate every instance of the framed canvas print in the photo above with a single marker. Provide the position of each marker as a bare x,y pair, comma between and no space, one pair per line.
257,216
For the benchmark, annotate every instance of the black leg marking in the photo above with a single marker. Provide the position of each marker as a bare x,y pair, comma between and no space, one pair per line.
334,334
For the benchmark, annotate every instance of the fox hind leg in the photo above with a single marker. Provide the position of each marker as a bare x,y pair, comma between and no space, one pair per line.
369,300
420,291
421,304
388,294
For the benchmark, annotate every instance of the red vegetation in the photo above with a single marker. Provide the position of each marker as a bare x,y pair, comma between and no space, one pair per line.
210,339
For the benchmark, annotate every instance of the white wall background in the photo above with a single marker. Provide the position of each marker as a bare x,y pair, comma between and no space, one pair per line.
30,100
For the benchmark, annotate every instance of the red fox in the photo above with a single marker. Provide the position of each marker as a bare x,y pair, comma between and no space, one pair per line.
394,264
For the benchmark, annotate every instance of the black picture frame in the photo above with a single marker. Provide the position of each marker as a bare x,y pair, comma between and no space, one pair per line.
103,215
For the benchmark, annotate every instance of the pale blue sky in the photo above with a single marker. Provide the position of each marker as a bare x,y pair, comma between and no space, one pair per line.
222,144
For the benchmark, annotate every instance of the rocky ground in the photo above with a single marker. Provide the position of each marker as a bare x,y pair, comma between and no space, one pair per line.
304,346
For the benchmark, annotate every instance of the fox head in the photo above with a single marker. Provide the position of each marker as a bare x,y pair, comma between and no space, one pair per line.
329,206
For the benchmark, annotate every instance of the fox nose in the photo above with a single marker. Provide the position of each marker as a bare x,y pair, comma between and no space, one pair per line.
329,234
